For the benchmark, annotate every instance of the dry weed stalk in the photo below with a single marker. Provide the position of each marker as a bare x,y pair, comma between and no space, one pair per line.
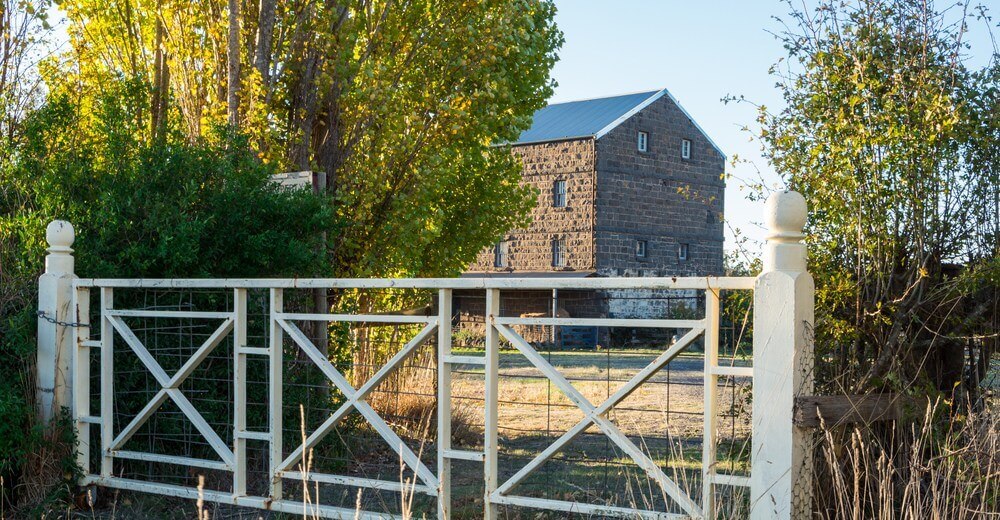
926,469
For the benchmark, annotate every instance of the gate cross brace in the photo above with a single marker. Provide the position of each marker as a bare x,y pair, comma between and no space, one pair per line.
356,400
171,387
596,416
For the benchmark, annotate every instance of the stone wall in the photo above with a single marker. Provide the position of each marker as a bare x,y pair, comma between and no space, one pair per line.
616,196
531,249
659,197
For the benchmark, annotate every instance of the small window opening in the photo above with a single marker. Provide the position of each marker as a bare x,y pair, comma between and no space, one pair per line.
559,194
558,252
501,254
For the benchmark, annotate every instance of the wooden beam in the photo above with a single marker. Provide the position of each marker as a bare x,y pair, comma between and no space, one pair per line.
837,410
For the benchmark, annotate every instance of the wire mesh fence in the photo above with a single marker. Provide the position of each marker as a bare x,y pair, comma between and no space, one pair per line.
664,416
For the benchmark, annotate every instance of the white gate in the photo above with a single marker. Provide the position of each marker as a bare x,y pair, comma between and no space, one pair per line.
779,480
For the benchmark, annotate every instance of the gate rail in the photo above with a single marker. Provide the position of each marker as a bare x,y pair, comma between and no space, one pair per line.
780,474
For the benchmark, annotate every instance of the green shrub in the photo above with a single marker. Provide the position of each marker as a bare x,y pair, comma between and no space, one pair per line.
169,208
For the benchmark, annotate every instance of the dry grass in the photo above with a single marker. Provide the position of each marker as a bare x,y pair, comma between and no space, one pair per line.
933,467
659,406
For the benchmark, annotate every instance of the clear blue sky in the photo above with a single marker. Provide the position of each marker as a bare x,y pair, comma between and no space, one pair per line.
701,52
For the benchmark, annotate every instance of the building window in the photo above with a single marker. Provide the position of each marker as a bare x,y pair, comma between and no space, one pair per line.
640,248
682,252
643,142
559,194
685,149
558,252
501,254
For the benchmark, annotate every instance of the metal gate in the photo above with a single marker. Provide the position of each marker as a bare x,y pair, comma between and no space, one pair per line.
77,370
232,456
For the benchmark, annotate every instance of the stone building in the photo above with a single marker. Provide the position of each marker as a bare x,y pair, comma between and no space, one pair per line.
627,186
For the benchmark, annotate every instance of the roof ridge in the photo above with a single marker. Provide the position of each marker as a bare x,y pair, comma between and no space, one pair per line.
597,98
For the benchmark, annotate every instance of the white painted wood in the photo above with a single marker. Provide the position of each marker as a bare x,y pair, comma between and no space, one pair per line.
203,352
171,459
274,392
620,395
444,404
346,480
733,371
107,381
352,395
698,282
56,343
710,420
604,322
144,356
256,351
781,463
201,425
355,318
491,398
580,508
293,507
172,383
313,438
610,430
730,480
465,360
474,456
150,313
80,377
239,324
255,436
784,292
376,422
140,418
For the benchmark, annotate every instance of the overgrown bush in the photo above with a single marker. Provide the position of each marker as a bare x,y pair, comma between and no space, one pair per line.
169,208
891,136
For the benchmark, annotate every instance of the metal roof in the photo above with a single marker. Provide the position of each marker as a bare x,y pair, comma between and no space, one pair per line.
595,118
582,118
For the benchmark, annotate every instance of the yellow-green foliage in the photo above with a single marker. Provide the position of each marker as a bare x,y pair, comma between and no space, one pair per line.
400,104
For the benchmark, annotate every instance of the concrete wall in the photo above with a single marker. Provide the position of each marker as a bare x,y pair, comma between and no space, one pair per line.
531,249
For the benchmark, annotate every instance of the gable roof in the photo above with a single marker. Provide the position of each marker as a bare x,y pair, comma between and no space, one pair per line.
594,117
580,118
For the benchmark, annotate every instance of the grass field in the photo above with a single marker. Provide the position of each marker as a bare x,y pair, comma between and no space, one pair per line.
663,417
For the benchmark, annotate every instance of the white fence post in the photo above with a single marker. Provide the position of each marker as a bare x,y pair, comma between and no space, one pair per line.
781,462
55,313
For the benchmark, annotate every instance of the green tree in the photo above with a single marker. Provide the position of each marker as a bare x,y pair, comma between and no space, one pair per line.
401,104
891,140
166,208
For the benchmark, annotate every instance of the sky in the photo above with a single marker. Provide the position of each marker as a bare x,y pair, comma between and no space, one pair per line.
701,52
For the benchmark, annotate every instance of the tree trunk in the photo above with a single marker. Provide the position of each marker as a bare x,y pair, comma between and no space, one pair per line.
161,85
233,83
265,37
